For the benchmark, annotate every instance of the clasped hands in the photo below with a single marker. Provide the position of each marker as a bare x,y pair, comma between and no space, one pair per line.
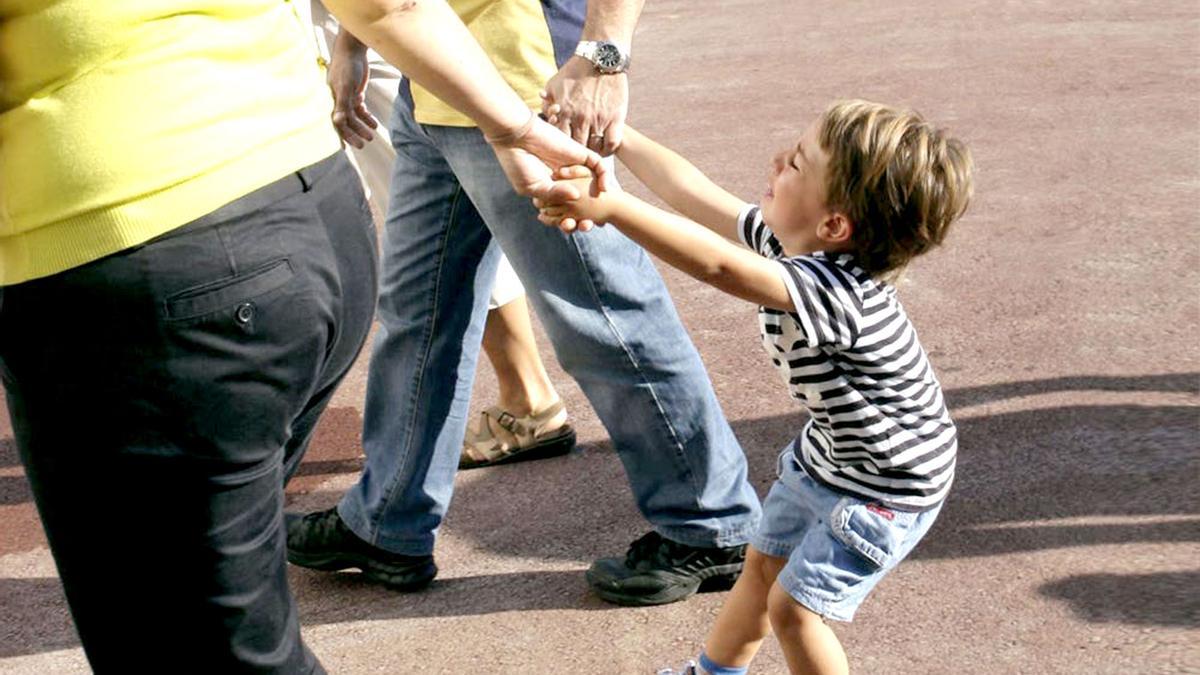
579,204
546,158
581,197
564,177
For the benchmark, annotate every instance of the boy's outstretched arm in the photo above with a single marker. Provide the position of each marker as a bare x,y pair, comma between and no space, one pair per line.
695,250
679,183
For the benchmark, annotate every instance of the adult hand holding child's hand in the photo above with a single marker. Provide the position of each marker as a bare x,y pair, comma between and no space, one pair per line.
588,106
528,154
571,214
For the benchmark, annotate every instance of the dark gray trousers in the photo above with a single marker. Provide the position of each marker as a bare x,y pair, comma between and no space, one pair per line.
159,397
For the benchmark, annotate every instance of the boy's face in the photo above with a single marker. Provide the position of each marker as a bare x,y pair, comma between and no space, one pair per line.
794,204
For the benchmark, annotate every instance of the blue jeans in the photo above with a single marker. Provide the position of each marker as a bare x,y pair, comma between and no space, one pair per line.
606,311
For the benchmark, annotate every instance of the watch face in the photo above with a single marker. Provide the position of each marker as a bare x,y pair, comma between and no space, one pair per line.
608,56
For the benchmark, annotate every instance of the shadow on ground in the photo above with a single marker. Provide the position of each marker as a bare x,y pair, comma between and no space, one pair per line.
1019,475
13,489
34,617
346,597
1159,599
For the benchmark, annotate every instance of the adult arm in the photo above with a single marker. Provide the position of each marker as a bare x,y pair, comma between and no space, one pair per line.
592,106
428,42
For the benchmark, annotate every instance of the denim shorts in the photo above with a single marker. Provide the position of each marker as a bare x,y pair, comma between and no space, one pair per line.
837,546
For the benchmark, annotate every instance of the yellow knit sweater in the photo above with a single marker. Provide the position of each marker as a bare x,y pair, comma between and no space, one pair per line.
124,119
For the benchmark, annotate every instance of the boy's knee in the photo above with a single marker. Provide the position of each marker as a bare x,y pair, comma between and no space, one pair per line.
761,567
785,612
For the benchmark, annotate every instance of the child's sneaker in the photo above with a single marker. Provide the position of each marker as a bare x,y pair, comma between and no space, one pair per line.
690,668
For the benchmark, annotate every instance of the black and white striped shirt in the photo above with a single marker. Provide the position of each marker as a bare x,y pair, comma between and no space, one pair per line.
879,429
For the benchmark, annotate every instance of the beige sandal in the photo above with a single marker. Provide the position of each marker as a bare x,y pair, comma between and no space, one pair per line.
500,437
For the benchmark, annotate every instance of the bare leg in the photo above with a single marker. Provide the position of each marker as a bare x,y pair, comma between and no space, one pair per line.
742,624
524,386
809,644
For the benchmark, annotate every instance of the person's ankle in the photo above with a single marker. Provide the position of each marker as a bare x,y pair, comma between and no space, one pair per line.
557,421
529,405
706,666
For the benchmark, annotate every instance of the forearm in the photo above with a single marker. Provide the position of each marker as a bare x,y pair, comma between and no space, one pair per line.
346,44
426,40
697,251
612,20
680,184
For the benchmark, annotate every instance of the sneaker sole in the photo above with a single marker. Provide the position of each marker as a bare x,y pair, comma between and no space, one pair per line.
718,578
369,568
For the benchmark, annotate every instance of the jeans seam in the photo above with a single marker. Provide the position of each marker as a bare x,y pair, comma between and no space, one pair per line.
772,546
734,537
662,414
421,369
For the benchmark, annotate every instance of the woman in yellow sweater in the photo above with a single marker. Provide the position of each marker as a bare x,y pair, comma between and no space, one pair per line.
187,269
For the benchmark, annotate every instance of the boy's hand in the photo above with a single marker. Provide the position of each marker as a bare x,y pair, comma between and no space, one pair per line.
575,214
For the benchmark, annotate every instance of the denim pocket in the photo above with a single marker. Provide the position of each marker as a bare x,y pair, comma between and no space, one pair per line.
215,296
874,532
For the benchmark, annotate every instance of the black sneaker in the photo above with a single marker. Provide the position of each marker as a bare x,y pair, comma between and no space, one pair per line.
656,571
321,541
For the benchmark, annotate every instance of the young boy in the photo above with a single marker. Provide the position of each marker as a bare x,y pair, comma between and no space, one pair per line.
867,188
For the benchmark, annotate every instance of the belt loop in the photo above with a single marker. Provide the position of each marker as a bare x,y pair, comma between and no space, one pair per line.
305,182
310,175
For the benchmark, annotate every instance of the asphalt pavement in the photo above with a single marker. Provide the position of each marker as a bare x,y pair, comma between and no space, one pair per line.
1061,317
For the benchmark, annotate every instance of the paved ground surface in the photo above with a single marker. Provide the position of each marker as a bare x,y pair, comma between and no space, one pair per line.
1061,316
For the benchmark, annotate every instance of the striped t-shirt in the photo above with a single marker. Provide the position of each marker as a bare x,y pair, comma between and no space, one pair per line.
879,429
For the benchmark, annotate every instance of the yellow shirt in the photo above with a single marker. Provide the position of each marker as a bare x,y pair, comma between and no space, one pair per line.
517,35
121,120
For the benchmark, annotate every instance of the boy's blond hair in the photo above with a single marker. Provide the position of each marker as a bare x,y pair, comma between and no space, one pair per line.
899,180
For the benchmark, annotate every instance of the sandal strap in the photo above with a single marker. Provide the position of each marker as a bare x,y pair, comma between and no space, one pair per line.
500,433
506,420
547,414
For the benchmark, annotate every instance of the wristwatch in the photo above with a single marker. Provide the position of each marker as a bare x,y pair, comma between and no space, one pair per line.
608,57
